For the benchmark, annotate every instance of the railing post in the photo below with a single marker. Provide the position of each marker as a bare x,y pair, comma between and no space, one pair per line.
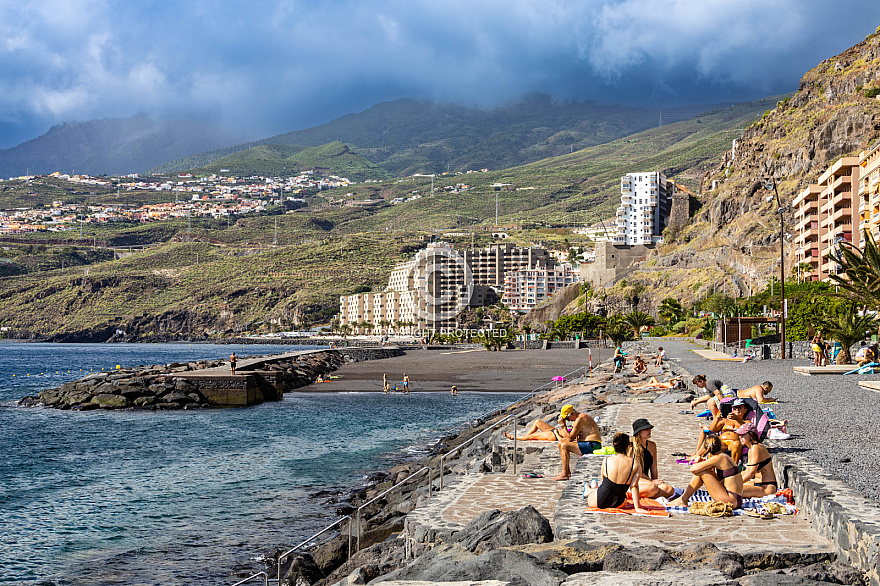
514,444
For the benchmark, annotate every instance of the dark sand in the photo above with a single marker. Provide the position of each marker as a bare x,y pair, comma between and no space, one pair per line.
469,370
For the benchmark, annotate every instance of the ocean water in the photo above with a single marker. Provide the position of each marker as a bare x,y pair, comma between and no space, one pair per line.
185,497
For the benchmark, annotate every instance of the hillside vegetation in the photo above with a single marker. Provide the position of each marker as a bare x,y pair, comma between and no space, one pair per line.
404,137
224,276
732,244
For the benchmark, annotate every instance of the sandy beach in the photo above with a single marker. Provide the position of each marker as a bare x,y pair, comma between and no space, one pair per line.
469,370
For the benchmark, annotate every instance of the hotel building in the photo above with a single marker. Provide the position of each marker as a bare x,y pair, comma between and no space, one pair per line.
826,214
430,291
645,201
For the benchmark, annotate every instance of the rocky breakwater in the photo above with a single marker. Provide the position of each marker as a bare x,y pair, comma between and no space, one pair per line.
192,385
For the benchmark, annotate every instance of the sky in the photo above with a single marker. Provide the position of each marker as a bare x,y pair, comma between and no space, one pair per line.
258,68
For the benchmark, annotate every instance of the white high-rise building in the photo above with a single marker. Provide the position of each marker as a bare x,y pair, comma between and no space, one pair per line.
645,201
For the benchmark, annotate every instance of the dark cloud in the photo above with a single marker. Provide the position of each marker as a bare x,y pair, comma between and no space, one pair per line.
269,67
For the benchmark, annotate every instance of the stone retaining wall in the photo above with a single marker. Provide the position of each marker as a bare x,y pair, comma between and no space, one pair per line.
837,511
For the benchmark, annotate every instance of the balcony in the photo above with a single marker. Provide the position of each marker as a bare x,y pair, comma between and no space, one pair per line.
840,213
840,181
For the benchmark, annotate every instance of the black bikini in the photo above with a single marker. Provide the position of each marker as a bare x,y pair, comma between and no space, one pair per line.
611,494
760,465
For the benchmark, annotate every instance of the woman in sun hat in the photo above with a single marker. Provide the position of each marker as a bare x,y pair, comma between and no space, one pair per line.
644,450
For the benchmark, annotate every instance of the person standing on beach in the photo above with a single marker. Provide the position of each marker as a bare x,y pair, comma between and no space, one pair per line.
453,391
578,434
232,360
385,386
405,384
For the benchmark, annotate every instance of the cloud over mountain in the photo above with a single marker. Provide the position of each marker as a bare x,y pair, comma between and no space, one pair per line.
267,67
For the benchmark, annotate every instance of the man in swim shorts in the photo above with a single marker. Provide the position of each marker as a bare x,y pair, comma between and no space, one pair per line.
578,434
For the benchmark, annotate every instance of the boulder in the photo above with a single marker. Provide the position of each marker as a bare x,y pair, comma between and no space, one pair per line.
452,562
176,397
571,556
671,577
106,401
76,398
635,559
494,529
302,571
377,560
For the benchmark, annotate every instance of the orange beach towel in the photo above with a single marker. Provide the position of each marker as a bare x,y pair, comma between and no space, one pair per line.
652,508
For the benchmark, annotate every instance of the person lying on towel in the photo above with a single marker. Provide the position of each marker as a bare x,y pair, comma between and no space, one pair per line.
620,474
759,393
719,474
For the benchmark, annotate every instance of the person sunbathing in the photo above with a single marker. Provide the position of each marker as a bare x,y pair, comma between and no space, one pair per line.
582,437
675,382
719,474
759,477
716,391
758,392
725,428
538,430
645,452
640,366
620,474
864,355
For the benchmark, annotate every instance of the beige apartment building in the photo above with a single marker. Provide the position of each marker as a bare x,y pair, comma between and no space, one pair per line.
524,289
826,214
430,291
869,191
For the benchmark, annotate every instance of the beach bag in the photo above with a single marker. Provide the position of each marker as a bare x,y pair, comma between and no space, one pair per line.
816,348
711,509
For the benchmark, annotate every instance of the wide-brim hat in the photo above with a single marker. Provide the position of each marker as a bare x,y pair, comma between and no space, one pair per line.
641,424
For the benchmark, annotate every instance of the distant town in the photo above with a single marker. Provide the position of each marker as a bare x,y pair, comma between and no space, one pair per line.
214,196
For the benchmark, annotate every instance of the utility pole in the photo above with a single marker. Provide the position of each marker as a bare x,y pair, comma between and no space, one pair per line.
275,238
781,211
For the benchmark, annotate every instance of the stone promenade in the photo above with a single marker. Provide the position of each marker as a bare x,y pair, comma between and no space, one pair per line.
563,504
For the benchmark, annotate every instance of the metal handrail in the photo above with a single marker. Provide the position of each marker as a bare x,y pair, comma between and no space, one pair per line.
257,575
284,555
532,393
488,429
377,497
405,480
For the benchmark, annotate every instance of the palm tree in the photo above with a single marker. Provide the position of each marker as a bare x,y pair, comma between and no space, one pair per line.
844,324
860,277
671,310
638,320
618,332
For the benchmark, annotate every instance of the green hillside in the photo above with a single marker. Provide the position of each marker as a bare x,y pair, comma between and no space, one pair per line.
409,136
274,160
575,189
221,276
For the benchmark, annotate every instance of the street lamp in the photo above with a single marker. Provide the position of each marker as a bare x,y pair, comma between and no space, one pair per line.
770,184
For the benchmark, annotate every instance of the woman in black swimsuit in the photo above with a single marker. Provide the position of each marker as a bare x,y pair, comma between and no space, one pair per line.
719,474
759,476
620,474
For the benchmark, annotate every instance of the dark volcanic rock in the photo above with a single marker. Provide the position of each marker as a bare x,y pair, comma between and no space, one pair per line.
494,529
452,562
635,559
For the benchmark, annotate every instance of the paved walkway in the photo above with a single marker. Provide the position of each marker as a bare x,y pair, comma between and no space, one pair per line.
676,432
564,505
